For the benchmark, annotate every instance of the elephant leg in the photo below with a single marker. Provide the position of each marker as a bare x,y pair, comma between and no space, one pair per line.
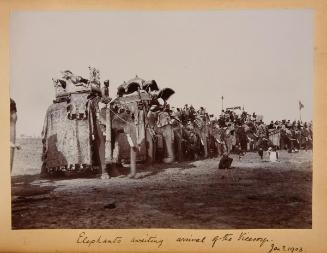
104,174
133,162
205,144
202,142
219,149
168,135
180,150
150,147
112,166
100,145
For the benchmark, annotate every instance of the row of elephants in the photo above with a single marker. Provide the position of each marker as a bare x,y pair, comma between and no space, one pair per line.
86,132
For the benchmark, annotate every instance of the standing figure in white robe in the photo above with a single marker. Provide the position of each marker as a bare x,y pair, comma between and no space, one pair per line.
273,155
13,120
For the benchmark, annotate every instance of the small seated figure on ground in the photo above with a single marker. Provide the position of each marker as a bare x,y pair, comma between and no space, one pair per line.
225,162
260,152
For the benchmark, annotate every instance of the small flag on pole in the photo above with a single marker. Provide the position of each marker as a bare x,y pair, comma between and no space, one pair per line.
300,105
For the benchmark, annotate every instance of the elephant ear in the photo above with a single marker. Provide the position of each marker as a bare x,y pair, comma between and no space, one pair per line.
166,93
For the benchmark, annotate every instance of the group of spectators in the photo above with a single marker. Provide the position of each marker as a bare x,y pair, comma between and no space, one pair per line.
279,134
242,132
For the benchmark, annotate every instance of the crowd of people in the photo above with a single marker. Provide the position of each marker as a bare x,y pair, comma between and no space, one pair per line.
238,132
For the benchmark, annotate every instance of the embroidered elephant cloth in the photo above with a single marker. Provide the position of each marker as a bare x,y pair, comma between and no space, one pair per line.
67,141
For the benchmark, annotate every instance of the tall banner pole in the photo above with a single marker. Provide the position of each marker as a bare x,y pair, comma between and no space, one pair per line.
300,108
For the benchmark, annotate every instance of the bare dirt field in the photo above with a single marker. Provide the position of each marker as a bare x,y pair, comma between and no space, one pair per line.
180,195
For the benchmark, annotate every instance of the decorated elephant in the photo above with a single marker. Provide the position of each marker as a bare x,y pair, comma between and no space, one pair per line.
123,140
193,148
180,139
152,135
202,128
72,137
128,140
165,129
160,123
218,136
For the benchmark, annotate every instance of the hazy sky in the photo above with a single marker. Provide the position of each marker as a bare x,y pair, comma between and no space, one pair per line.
262,59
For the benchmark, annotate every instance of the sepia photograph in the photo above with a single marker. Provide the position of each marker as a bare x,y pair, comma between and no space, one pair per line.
161,119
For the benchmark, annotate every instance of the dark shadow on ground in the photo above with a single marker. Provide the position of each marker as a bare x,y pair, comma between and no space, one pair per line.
156,168
21,186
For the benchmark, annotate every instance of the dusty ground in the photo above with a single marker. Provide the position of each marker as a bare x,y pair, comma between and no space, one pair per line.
180,195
